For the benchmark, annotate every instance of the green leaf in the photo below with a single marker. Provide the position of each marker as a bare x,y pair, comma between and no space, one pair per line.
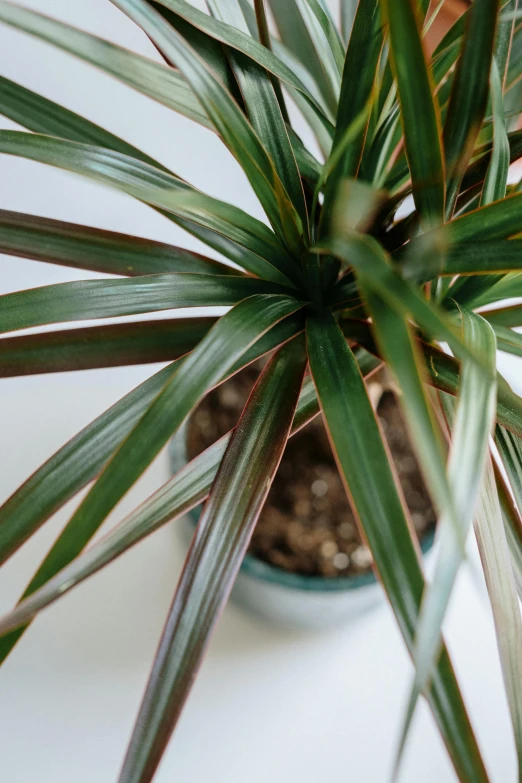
464,258
495,182
362,58
500,581
263,110
42,115
421,125
444,374
402,354
364,466
163,190
505,316
387,139
476,171
86,299
81,459
248,45
469,93
512,526
60,573
220,542
376,164
83,247
370,261
229,121
101,346
257,25
309,167
500,220
296,37
185,490
508,340
325,40
323,135
216,354
156,81
208,48
510,286
496,178
506,27
474,420
510,450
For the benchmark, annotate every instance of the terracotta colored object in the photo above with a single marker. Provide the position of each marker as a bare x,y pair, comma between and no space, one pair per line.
451,10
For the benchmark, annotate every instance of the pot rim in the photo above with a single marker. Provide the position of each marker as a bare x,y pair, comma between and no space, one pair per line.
266,572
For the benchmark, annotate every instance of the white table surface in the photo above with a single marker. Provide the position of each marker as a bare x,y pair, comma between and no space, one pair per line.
268,705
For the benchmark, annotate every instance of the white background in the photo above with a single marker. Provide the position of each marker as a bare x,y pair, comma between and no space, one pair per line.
268,705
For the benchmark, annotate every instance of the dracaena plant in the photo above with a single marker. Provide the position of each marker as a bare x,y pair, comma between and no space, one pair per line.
333,285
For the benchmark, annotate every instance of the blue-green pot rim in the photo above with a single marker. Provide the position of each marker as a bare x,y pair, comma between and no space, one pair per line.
259,569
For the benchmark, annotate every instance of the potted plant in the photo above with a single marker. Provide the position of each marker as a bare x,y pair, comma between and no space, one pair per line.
338,284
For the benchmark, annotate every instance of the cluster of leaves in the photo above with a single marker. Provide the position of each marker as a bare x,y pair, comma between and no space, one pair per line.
335,286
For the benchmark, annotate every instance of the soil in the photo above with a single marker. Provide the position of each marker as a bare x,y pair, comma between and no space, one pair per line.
307,525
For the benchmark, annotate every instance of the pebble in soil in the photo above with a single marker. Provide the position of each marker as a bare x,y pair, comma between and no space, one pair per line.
307,525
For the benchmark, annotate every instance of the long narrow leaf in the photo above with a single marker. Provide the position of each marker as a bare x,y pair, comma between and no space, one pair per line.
189,487
402,355
263,110
464,258
325,41
227,118
509,287
370,261
82,247
364,467
362,58
445,375
296,37
81,459
507,317
512,526
159,189
494,554
495,183
510,450
41,115
101,346
496,178
500,220
249,46
224,530
508,340
421,125
230,338
208,48
505,31
156,81
88,299
469,93
473,424
257,25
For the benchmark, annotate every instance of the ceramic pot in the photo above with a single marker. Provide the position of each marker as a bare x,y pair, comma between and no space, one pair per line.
285,598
